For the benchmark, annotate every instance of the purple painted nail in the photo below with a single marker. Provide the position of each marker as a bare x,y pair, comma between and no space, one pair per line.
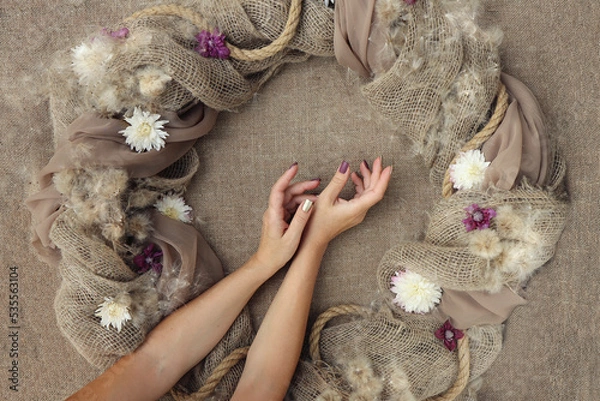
316,179
367,165
344,167
293,164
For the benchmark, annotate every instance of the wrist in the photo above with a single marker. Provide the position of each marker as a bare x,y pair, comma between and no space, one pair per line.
261,266
314,246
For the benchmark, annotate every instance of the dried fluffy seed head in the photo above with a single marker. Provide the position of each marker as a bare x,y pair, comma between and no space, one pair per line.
64,181
398,380
144,306
113,231
109,183
90,60
361,377
485,243
152,81
516,260
388,11
508,223
138,227
359,372
87,212
107,99
142,198
494,279
329,395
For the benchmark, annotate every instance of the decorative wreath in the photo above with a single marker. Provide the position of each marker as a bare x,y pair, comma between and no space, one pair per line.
130,103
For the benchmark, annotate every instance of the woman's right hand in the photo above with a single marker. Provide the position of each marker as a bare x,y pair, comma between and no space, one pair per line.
333,215
284,220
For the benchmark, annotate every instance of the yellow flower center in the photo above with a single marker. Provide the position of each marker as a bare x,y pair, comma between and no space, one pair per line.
115,311
474,171
171,212
144,129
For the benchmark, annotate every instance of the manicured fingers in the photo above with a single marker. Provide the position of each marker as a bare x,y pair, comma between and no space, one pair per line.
297,200
379,185
359,186
296,226
365,171
299,188
337,183
277,196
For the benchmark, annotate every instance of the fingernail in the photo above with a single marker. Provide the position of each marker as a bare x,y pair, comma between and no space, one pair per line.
293,164
307,205
316,179
366,165
344,167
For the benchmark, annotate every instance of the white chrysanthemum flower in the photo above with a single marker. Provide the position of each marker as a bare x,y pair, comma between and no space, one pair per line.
113,312
145,131
175,208
89,60
415,293
468,171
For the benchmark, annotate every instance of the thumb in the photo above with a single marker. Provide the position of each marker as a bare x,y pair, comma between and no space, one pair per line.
299,220
337,183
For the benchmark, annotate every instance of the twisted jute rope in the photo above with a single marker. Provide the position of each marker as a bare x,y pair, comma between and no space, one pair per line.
215,378
463,351
235,52
479,139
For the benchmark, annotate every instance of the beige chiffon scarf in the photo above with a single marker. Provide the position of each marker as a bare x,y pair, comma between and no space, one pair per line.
94,141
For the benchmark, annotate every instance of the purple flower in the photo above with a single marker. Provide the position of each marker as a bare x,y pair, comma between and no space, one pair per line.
121,33
149,259
478,218
212,45
449,335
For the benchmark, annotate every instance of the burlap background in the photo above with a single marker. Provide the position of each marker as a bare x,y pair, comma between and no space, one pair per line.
312,113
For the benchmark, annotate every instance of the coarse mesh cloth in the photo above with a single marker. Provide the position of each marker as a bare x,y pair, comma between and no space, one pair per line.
93,267
437,92
444,78
167,43
389,355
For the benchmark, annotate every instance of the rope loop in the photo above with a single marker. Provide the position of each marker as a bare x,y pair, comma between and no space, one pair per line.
463,351
215,378
235,52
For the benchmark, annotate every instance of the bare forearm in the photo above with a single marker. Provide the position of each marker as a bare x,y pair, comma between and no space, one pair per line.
180,341
274,354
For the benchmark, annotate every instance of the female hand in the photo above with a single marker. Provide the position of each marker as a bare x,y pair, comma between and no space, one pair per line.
284,220
333,215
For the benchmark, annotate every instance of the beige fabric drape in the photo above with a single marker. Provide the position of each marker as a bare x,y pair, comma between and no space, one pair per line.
93,141
519,147
470,308
358,40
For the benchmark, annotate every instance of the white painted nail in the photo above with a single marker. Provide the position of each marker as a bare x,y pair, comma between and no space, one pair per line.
307,205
